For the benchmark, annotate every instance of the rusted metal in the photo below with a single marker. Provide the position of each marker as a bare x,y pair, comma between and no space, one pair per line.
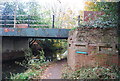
35,32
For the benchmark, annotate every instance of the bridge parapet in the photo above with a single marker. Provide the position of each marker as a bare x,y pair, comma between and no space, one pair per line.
35,32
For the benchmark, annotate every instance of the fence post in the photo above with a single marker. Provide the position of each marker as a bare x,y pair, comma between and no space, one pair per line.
5,20
28,21
78,20
15,16
53,21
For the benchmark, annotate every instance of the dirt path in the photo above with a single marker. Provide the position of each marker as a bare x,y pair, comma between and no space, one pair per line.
54,71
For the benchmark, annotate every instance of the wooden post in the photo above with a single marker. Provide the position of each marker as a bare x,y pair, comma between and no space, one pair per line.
79,21
53,21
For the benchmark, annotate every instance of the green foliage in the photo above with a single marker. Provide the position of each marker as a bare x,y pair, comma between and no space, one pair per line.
28,57
42,56
35,66
74,28
30,60
92,73
37,15
35,71
25,76
53,47
110,17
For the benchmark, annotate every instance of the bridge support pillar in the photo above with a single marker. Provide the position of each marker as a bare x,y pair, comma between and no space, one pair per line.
13,47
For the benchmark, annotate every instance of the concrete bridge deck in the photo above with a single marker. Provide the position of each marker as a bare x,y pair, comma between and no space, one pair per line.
34,33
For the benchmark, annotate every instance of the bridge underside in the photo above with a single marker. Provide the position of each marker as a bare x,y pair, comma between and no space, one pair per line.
16,40
35,33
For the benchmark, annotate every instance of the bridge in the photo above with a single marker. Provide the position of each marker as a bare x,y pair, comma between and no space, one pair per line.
15,40
16,37
35,33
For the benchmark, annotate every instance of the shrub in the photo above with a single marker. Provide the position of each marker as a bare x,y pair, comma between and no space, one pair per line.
35,67
92,73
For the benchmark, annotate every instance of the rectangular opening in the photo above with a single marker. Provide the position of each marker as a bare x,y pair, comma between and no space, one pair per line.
70,38
80,45
69,45
105,48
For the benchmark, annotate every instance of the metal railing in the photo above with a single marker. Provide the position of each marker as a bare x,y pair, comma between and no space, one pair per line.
27,20
14,21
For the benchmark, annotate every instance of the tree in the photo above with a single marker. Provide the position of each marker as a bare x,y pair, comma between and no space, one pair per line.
24,8
7,11
110,17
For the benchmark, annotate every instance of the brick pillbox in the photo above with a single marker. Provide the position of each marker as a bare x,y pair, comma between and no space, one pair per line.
92,47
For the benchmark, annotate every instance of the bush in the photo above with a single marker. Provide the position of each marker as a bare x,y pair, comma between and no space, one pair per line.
92,73
35,66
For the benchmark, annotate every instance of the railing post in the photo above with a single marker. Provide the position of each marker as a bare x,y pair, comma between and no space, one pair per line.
5,20
78,20
14,20
53,21
28,21
15,16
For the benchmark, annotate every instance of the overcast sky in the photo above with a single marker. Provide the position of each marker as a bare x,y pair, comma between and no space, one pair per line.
73,4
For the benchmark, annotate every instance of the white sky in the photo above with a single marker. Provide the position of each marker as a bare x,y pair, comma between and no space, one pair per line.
74,4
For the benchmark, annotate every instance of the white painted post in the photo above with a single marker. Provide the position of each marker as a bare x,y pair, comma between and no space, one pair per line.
15,15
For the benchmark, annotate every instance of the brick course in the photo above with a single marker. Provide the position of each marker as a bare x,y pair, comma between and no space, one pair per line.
99,43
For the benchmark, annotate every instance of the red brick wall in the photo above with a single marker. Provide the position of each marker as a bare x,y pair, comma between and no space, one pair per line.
99,43
91,15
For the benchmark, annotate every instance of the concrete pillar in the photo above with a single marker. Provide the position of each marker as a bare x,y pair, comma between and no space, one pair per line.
13,47
1,58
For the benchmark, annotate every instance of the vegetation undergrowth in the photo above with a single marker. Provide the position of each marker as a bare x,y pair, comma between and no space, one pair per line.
98,72
53,48
35,67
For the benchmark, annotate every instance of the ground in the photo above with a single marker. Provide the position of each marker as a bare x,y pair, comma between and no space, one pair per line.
54,71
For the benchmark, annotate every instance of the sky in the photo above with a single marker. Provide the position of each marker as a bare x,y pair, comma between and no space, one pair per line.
73,4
